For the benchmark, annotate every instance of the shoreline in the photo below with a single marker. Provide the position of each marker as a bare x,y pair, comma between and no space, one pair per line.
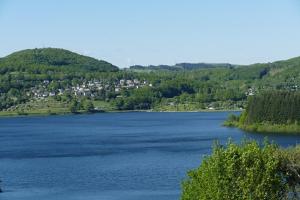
33,114
265,128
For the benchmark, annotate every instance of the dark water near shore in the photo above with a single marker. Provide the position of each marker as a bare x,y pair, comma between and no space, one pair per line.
108,156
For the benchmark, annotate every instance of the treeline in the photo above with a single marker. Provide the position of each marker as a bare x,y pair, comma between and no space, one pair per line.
183,66
272,111
280,107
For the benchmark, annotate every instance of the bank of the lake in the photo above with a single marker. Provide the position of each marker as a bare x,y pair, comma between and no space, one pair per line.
82,112
50,106
266,128
65,111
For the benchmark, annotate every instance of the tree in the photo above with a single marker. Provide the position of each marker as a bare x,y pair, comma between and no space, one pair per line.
119,103
241,172
74,106
89,106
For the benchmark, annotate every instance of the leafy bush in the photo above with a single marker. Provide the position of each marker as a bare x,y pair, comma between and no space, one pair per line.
245,171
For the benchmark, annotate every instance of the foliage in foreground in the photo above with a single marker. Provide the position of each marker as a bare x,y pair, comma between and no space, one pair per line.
279,107
245,171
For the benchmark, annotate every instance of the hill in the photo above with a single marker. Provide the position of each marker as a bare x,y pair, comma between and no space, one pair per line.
53,57
280,74
30,76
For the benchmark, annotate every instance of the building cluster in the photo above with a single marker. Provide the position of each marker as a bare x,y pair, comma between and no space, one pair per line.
87,88
129,84
250,92
292,87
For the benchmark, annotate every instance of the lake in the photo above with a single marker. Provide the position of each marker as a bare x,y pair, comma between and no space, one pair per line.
108,156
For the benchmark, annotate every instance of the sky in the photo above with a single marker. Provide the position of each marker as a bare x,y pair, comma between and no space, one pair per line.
145,32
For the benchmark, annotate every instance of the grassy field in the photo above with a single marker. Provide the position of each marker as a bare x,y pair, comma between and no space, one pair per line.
38,107
103,105
265,127
194,106
50,106
272,128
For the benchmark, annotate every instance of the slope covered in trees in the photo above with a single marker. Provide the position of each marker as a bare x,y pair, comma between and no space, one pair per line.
36,74
182,66
48,58
269,74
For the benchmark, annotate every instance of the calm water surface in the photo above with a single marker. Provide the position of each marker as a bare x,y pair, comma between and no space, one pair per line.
110,156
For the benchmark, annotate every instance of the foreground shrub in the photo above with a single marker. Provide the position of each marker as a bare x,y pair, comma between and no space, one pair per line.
245,171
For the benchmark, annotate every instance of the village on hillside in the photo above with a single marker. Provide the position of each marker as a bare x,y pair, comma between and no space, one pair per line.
86,88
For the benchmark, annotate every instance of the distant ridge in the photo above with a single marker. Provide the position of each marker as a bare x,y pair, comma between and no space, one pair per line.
183,66
289,63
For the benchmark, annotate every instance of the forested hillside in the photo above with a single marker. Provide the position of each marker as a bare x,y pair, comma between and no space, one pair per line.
182,66
31,77
51,59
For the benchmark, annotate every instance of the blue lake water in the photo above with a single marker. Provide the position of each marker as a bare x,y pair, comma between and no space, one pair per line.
108,156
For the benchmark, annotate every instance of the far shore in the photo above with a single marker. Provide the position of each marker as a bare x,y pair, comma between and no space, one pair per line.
15,114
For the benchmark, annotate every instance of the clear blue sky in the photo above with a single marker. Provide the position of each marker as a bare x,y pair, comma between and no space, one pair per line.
127,32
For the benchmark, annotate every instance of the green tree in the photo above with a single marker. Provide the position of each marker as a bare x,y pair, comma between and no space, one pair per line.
89,106
75,105
241,172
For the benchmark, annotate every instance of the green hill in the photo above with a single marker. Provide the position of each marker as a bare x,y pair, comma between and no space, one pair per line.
280,74
53,57
37,74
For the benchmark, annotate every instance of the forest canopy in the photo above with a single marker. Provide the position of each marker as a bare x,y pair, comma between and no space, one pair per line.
270,111
278,107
